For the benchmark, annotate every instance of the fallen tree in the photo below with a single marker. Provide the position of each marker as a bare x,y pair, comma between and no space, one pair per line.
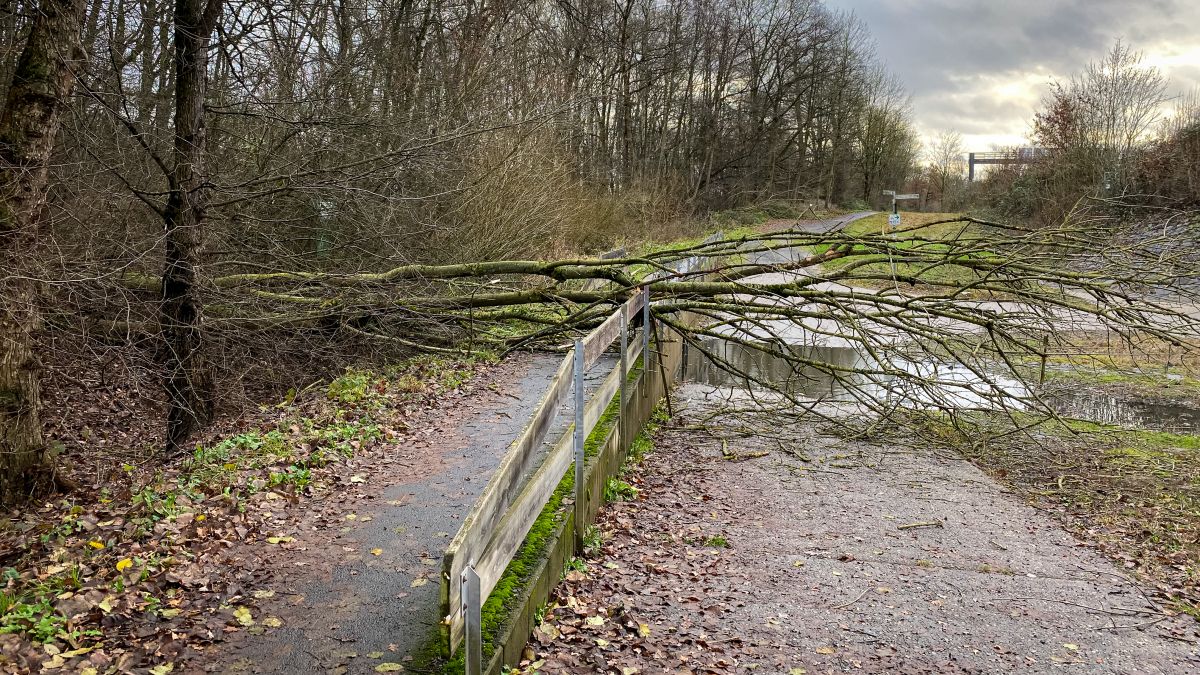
964,296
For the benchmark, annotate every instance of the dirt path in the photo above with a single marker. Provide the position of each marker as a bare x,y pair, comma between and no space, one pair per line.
354,584
831,556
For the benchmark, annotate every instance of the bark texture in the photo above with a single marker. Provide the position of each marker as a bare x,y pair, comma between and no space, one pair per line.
42,82
189,378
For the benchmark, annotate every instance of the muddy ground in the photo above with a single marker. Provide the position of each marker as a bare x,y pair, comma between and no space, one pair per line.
795,552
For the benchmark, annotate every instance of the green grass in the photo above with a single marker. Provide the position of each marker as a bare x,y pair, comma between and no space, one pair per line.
947,264
30,610
1154,385
913,226
757,214
1144,439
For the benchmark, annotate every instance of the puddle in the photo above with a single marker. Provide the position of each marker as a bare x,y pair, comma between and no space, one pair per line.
946,385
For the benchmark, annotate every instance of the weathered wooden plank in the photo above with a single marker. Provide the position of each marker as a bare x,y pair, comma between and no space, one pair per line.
635,349
494,556
606,333
503,487
598,340
635,305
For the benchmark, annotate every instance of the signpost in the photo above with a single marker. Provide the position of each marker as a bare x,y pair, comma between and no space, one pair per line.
894,216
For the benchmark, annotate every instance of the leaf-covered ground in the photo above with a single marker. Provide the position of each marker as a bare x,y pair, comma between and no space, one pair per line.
165,558
793,552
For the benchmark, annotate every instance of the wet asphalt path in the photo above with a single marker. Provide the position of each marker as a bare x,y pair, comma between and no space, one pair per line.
363,591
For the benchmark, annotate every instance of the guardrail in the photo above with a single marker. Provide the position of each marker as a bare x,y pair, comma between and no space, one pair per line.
498,523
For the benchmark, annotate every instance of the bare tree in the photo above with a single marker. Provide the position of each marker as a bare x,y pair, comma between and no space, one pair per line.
947,163
181,315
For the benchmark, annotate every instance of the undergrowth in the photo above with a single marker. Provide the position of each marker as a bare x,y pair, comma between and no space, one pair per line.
127,538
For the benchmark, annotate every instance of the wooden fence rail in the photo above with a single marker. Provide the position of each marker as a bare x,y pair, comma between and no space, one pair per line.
493,530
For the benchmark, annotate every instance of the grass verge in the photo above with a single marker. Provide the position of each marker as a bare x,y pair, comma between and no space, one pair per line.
1135,494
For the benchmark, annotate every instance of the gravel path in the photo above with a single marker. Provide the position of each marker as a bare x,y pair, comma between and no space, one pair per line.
798,553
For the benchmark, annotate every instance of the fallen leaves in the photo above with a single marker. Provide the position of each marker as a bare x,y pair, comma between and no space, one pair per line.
163,553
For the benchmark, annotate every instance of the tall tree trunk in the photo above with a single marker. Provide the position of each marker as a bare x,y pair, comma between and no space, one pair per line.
42,83
189,380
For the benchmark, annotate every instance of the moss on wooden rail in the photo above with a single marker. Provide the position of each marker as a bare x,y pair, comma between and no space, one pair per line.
535,568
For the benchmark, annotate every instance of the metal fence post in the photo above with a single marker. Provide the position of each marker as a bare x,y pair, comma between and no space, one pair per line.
646,331
621,431
578,441
474,625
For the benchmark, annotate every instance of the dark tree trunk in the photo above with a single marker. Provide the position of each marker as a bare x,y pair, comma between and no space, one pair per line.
189,380
42,83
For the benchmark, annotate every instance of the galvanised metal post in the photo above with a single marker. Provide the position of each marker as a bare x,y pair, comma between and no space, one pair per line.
472,616
646,330
578,441
624,375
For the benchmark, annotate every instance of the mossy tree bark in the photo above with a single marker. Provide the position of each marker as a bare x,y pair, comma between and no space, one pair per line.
189,379
42,82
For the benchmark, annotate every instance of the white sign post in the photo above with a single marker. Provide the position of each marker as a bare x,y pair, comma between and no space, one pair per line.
894,216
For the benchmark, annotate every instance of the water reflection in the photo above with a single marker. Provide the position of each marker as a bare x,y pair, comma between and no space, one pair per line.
1134,414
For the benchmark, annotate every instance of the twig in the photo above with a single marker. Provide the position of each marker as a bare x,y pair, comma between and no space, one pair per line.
1138,626
913,526
845,605
1099,610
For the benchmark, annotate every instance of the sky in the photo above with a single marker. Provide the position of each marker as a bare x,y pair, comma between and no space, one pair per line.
982,67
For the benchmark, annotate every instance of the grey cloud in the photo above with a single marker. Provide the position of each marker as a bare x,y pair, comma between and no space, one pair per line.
938,47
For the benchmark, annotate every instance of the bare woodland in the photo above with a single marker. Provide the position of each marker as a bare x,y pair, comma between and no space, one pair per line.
210,140
212,197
